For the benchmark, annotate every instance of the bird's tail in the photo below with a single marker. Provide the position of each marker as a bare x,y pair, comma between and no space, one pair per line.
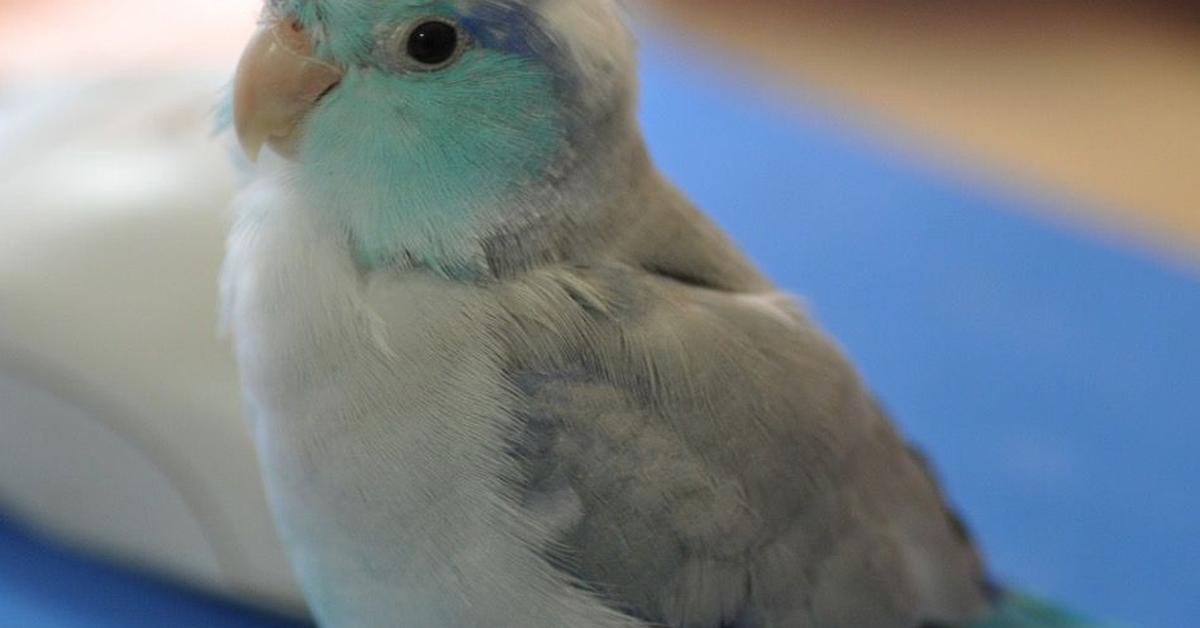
1017,610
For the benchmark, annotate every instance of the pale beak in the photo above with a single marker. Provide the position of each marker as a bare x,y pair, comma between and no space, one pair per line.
279,80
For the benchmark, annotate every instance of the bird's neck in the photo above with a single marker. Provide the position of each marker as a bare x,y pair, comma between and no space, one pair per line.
555,216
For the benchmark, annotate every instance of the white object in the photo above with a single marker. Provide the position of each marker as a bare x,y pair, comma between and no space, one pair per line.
120,414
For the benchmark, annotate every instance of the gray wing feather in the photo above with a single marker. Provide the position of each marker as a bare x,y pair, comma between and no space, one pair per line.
710,458
705,454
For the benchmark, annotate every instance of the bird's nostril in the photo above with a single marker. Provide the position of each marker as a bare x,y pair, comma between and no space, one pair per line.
293,35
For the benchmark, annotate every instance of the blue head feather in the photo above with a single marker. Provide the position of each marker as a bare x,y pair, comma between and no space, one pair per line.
411,163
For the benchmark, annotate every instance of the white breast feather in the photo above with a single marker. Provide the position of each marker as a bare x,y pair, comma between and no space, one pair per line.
380,417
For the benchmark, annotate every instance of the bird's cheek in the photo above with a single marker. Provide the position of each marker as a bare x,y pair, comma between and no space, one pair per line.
279,80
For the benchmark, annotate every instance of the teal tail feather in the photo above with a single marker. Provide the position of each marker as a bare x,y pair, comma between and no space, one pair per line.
1017,610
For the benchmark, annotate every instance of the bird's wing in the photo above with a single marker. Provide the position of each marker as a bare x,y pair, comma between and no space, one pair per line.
709,458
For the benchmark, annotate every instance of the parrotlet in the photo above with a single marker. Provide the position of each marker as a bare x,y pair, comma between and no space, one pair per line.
501,373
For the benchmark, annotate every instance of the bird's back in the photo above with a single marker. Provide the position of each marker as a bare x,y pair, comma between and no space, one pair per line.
702,443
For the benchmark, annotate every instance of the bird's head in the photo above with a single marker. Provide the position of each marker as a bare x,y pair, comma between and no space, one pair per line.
416,121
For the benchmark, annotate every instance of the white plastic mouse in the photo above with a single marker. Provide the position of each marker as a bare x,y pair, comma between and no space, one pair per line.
120,416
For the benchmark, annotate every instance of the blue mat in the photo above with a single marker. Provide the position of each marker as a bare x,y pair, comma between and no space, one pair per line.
44,586
1052,376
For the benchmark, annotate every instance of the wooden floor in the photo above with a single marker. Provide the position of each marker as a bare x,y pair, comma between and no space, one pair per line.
1097,101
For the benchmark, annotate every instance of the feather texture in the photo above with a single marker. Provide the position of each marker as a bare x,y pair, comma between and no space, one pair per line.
549,391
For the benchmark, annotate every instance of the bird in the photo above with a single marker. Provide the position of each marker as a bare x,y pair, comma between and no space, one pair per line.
501,372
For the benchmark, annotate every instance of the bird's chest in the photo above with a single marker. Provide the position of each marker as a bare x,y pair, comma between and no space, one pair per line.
382,397
379,411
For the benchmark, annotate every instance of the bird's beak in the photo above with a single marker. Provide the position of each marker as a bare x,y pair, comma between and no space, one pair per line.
279,80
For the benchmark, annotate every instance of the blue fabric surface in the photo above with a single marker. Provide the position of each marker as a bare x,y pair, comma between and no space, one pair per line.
1051,376
44,586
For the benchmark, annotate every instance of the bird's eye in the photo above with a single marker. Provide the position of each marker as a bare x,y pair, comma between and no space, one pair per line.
433,43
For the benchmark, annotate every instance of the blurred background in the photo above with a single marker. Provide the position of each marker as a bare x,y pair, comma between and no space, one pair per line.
995,207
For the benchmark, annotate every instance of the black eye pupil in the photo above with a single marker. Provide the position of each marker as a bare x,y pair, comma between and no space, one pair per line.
433,43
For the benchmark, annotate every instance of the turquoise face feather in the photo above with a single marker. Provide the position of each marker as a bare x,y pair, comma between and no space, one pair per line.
409,161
